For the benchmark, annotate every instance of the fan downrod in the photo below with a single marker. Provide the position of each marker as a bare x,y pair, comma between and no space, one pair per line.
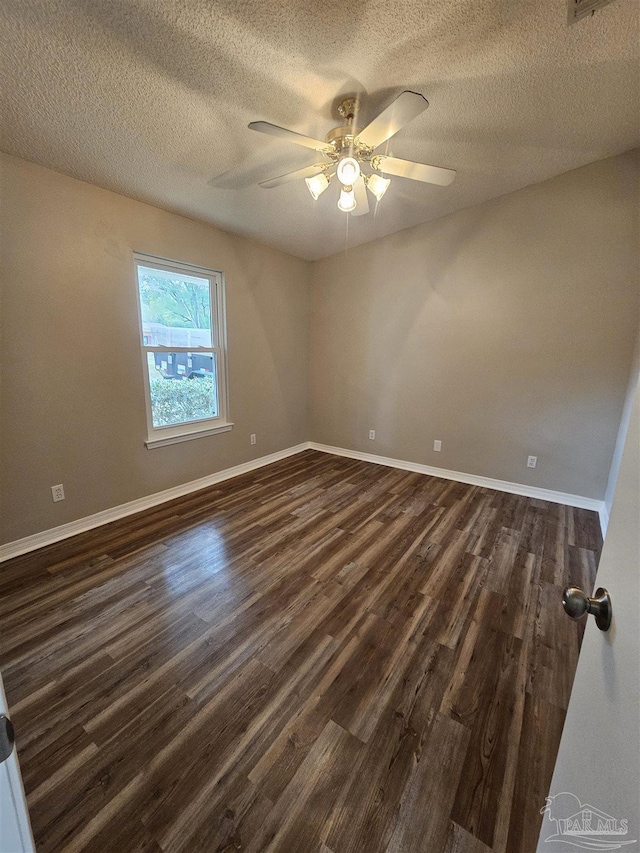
348,108
342,137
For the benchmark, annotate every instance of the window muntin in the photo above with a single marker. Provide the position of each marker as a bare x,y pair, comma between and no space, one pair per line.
181,313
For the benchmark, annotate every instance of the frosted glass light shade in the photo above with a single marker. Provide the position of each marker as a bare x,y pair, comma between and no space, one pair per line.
348,171
317,184
347,200
377,185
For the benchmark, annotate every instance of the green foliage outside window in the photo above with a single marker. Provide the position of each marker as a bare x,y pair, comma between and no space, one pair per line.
175,302
179,400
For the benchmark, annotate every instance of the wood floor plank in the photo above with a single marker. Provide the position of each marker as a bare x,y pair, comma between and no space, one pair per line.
487,696
461,841
298,817
365,817
423,819
242,816
541,730
323,655
554,649
501,558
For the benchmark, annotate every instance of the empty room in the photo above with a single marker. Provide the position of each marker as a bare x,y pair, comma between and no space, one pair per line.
319,426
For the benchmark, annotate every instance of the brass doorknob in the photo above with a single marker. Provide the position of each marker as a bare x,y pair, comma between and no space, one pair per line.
576,604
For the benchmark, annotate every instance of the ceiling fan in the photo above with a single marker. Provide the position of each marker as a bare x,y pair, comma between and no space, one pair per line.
349,150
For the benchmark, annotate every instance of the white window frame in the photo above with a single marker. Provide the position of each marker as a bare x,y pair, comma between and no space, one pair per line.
164,435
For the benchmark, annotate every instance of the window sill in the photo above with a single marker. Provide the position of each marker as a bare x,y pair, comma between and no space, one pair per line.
186,436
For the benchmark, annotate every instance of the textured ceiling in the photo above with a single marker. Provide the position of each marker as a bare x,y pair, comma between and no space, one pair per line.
152,98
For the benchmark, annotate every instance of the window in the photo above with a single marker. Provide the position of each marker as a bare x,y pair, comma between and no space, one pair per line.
182,335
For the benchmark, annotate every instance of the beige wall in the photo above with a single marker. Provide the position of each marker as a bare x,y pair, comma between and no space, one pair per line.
504,330
72,395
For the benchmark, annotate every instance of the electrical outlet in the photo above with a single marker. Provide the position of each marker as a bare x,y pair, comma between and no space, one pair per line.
253,438
372,434
532,461
437,445
57,492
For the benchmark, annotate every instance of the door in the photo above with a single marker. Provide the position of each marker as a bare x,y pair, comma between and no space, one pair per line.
594,801
15,828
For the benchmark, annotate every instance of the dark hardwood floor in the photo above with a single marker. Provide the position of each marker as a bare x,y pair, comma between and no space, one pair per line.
322,656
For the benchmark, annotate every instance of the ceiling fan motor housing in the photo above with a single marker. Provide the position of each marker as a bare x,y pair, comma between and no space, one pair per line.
342,137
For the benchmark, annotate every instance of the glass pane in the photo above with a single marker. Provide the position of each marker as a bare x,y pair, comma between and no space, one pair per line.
183,387
176,309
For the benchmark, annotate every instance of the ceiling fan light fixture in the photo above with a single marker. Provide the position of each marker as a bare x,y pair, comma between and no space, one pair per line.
317,184
346,147
377,185
348,171
347,200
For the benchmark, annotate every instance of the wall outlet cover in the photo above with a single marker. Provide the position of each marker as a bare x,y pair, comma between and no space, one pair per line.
437,445
372,434
57,493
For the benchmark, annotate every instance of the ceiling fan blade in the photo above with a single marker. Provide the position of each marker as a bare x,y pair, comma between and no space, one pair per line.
290,136
360,195
406,107
307,172
415,171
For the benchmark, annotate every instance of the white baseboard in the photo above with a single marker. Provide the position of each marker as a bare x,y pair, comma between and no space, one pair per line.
471,479
64,531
